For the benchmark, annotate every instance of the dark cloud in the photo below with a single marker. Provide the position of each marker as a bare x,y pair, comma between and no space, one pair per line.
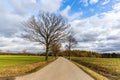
113,38
88,37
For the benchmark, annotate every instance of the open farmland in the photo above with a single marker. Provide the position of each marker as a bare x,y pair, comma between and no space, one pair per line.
11,65
109,67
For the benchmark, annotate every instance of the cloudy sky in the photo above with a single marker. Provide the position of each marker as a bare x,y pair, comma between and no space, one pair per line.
95,22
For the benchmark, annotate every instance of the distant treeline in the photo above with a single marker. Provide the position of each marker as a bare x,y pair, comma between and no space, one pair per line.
79,53
111,55
26,54
72,53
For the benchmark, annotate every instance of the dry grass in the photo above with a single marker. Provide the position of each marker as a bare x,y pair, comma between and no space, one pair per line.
20,65
21,70
93,74
109,67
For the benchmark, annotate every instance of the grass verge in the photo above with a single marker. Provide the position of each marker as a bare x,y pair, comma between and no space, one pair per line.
20,65
93,74
109,67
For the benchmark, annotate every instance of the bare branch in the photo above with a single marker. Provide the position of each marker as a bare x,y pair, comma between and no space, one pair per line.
46,28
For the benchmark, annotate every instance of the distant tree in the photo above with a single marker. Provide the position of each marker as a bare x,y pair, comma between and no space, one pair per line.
71,42
24,51
79,53
55,48
46,28
114,55
0,50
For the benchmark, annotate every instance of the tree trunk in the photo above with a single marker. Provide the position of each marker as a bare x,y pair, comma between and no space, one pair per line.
55,55
69,55
46,58
69,51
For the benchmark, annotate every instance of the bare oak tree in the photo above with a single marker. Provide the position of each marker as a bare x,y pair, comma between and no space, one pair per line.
46,28
71,42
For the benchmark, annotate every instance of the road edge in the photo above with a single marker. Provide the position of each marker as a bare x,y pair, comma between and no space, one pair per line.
92,73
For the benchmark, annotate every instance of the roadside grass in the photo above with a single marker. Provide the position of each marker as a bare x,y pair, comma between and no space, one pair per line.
92,73
109,67
12,65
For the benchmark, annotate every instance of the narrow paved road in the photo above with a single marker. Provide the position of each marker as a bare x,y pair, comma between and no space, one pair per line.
60,69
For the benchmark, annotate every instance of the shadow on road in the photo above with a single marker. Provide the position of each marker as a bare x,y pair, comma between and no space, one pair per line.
7,78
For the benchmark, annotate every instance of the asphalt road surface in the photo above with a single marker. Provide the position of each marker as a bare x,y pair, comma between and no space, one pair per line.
60,69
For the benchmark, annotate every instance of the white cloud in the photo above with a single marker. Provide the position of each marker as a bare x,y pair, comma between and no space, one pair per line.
10,23
105,2
99,32
12,14
93,1
17,44
65,12
24,7
49,5
116,7
74,16
85,2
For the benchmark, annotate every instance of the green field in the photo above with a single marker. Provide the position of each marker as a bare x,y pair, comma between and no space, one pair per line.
109,67
11,65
